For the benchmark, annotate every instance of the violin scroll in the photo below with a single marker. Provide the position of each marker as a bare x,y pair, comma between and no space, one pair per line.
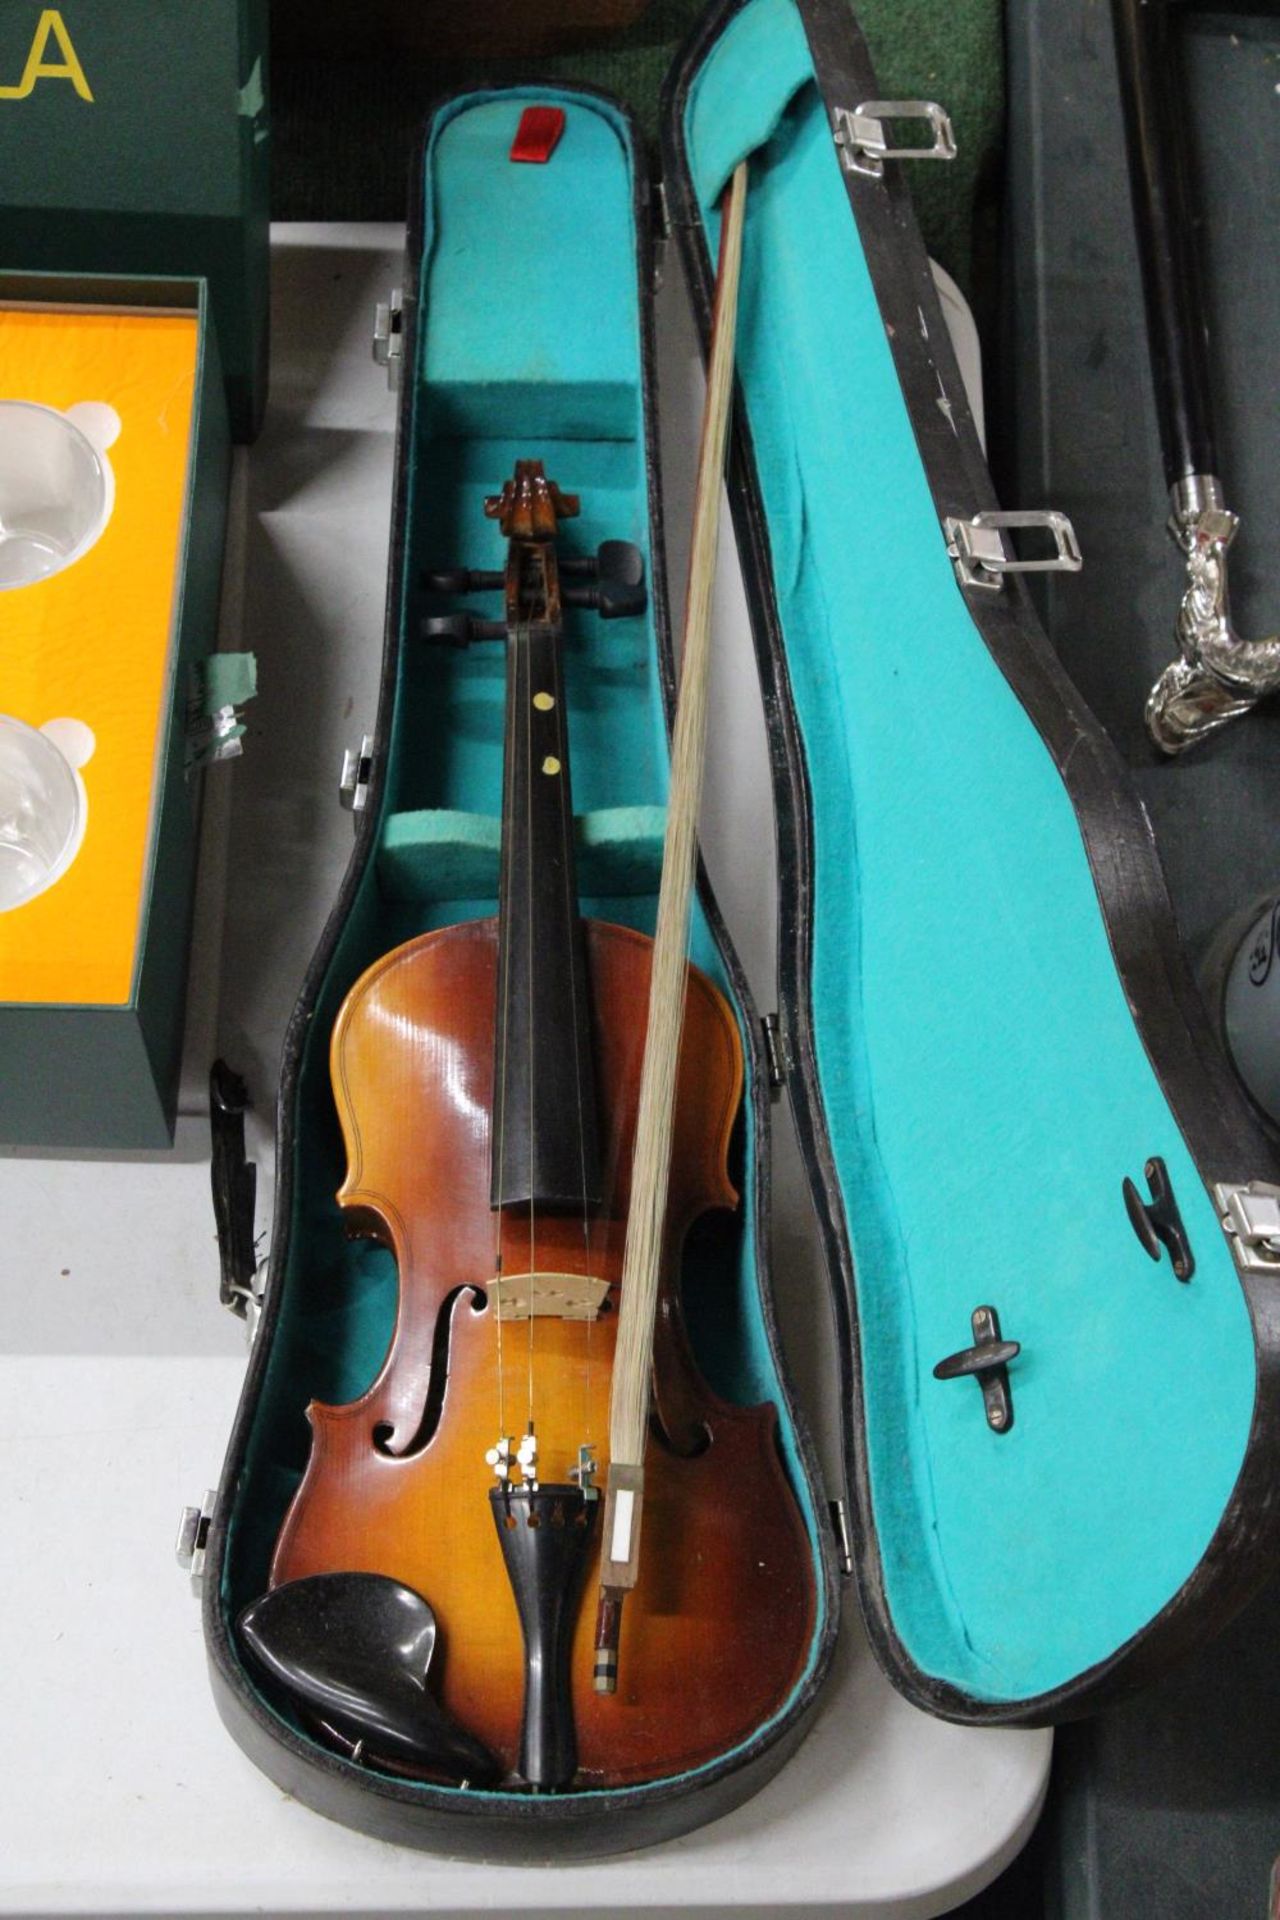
530,506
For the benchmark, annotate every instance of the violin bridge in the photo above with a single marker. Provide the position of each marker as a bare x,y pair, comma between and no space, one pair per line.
551,1296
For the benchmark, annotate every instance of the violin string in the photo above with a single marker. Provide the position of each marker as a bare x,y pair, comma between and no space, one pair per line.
504,986
572,944
528,763
574,949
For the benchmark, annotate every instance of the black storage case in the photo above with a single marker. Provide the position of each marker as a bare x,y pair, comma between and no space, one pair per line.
460,1823
1017,1625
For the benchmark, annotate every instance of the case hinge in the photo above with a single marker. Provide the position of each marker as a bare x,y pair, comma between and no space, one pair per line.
661,232
357,771
861,135
193,1536
844,1540
982,559
1250,1214
777,1047
388,335
235,1190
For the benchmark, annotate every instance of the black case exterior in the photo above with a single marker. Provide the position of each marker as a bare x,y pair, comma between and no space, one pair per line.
549,1828
1205,1099
1169,1805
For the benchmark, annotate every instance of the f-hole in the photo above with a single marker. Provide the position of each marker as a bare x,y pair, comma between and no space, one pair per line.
686,1441
425,1431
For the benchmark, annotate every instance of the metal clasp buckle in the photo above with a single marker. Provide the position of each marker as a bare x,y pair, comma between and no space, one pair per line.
388,336
193,1535
357,772
1250,1215
864,144
982,559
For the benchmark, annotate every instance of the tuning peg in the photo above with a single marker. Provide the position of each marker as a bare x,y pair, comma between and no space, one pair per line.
611,602
620,563
617,568
617,561
461,580
460,629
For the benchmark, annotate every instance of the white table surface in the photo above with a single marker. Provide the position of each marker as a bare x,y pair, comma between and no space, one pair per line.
120,1793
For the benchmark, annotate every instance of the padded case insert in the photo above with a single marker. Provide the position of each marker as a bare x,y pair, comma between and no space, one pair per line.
976,1068
527,336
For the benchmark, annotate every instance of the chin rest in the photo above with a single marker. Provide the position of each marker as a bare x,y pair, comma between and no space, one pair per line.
355,1649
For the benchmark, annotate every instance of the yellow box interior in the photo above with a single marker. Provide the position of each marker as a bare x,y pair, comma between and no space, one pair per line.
93,642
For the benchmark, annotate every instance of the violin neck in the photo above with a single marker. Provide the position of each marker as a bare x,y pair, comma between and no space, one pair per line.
545,1146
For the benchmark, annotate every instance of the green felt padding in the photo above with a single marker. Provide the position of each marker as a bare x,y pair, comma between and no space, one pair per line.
226,680
984,1084
542,333
486,224
768,52
583,410
448,855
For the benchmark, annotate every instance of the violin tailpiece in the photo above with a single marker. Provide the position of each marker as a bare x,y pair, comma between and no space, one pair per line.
546,1534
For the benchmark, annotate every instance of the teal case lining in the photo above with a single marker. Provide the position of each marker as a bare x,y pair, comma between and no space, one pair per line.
549,334
440,853
983,1083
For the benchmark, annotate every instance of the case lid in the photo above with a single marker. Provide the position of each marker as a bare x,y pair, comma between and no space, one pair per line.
1061,1388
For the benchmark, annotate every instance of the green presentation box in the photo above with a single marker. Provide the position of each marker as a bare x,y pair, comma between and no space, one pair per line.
134,140
95,1075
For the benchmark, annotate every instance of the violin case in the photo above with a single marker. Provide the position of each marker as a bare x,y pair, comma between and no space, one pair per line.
986,1025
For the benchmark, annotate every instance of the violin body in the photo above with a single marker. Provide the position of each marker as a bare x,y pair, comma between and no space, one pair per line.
718,1630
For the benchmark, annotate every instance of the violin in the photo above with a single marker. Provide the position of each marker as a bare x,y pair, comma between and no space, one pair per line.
429,1602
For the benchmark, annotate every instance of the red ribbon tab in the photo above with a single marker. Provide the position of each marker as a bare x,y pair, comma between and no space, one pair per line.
538,134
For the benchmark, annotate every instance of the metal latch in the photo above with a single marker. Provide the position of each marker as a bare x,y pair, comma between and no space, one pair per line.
981,557
1250,1215
193,1536
219,689
388,335
777,1049
860,133
357,771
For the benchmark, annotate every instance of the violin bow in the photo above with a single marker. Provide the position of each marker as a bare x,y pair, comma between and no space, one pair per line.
633,1358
